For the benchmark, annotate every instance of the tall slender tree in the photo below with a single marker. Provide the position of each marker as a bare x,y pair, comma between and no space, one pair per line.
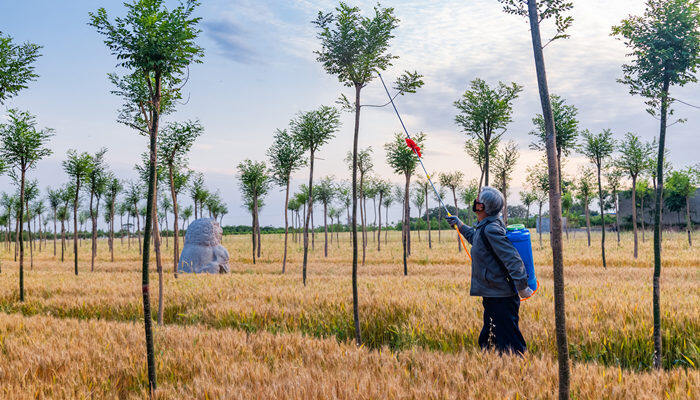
354,48
527,198
402,159
364,164
174,142
452,181
54,197
664,45
683,184
285,157
584,193
537,12
95,185
22,145
311,130
485,112
113,188
254,182
503,166
633,160
614,178
597,148
155,44
325,192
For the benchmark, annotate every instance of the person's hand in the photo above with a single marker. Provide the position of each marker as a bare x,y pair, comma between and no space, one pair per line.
453,221
525,293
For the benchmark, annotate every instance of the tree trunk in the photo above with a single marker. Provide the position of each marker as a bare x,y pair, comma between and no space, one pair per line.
602,217
63,239
75,225
617,217
362,216
29,236
21,239
657,227
138,227
257,228
487,144
111,229
554,205
379,226
427,217
386,220
309,212
687,220
93,236
406,223
644,239
355,300
325,229
588,220
634,213
454,196
252,226
159,260
286,225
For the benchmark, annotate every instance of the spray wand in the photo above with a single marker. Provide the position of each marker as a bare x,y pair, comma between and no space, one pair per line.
416,149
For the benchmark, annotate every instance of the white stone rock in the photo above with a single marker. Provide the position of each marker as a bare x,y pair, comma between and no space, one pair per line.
203,251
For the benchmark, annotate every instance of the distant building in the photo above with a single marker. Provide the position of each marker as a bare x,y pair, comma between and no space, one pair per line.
545,224
668,217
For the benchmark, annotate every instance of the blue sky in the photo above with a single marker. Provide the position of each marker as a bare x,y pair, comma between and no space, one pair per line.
259,70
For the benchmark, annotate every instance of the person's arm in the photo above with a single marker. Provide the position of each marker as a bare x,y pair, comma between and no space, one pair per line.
506,252
467,231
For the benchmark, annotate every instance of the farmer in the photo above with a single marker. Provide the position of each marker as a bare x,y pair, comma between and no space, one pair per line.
498,274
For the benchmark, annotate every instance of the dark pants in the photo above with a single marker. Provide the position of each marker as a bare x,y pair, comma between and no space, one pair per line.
500,331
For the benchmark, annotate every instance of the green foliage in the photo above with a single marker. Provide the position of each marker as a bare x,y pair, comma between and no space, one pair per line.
16,66
286,155
538,181
451,180
664,45
175,141
254,179
634,155
681,183
325,190
400,157
483,109
313,129
585,184
476,150
21,143
354,47
566,123
597,147
545,9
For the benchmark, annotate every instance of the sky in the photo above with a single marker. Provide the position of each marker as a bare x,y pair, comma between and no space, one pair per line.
260,69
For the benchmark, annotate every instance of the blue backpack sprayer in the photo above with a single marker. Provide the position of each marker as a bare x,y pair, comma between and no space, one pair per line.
517,234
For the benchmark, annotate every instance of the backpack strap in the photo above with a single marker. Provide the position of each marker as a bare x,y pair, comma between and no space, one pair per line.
500,263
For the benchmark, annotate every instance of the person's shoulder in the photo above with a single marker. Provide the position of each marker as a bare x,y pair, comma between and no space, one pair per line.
495,227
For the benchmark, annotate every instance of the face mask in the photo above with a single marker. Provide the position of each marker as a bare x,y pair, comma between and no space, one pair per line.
474,206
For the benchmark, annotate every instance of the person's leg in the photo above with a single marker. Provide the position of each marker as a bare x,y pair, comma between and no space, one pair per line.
505,315
486,332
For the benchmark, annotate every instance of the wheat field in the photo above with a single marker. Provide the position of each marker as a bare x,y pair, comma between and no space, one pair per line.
258,333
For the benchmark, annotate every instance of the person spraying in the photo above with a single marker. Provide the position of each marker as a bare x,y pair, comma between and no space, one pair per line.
498,274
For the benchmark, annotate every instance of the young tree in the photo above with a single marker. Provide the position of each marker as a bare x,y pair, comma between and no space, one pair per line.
324,192
364,166
683,184
642,191
423,185
133,197
285,156
485,112
598,147
311,130
418,199
584,193
536,12
469,194
22,145
477,152
503,166
254,182
63,213
155,44
174,142
614,178
402,159
54,197
113,188
538,181
566,123
633,160
665,47
354,48
186,215
453,180
384,191
16,66
95,185
527,198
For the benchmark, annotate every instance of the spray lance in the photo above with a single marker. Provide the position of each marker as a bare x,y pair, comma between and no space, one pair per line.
416,150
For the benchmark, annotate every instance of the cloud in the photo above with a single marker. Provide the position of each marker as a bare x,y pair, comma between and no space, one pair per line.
231,40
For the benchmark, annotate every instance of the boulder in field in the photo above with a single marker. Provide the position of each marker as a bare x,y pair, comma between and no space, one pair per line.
203,252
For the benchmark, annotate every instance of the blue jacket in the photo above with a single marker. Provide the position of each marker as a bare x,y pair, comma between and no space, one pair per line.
488,279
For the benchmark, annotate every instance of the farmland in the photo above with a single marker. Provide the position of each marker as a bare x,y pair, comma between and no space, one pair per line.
258,333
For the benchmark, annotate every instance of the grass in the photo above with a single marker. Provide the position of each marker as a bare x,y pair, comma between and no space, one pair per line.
423,323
